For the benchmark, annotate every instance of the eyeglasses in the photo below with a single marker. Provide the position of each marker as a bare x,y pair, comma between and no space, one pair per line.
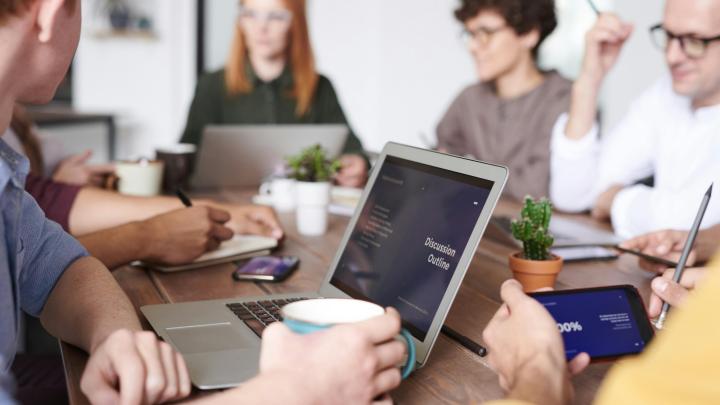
278,17
694,47
480,35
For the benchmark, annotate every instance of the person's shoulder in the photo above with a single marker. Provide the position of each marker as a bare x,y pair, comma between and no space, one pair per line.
324,84
558,84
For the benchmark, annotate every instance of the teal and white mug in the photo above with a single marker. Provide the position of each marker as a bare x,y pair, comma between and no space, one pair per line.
310,316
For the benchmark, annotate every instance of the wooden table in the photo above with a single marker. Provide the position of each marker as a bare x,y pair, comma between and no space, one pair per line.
452,375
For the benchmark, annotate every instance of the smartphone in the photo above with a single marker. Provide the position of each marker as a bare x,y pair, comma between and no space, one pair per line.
605,322
584,253
266,268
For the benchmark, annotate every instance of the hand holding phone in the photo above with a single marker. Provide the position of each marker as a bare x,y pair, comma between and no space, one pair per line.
604,322
266,268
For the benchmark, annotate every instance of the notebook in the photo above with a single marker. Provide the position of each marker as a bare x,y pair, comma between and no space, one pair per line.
238,248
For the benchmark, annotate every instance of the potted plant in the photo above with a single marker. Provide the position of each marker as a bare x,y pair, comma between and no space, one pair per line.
535,267
313,172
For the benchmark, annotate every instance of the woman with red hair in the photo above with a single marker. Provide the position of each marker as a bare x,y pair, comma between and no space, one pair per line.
270,78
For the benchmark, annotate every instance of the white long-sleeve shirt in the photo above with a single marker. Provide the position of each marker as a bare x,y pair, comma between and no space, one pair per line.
661,135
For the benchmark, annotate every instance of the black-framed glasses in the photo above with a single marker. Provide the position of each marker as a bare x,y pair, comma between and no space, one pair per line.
693,46
480,35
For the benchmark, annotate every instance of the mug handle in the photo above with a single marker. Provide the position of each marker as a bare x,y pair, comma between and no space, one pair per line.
410,362
265,188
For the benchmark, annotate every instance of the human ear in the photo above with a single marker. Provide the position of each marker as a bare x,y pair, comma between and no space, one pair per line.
47,16
530,39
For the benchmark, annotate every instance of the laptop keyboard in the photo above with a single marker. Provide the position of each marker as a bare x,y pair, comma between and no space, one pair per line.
259,314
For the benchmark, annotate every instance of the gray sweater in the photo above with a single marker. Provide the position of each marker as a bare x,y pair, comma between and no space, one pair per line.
514,132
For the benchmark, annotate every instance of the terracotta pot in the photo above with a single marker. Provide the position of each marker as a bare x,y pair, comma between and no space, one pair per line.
535,274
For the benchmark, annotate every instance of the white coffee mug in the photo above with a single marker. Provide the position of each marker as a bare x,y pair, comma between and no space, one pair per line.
281,192
139,178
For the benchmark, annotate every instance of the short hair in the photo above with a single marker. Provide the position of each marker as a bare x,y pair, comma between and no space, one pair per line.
18,7
522,16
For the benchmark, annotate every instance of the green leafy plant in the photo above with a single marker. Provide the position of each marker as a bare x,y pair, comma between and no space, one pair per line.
532,229
312,165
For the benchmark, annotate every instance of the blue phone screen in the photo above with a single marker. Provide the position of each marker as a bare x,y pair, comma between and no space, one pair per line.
600,323
267,266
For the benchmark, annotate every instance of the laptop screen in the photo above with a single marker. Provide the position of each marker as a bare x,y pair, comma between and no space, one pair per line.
409,237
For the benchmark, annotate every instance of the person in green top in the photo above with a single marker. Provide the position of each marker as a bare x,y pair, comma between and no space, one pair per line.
270,78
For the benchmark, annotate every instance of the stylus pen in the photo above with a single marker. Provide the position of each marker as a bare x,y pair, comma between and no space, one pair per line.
184,198
594,7
464,341
686,252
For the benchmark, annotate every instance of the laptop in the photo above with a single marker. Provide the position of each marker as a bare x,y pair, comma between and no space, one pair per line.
567,233
408,245
244,155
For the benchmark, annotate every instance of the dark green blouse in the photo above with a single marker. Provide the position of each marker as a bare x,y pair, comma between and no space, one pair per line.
267,103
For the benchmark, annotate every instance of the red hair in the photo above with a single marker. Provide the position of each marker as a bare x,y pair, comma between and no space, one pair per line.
299,53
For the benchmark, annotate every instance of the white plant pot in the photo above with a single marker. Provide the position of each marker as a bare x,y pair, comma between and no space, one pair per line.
312,207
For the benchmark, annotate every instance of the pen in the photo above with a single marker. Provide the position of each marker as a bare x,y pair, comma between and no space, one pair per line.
594,7
647,257
184,198
464,341
660,322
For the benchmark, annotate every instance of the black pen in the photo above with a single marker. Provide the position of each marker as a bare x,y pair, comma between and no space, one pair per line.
184,198
464,341
594,7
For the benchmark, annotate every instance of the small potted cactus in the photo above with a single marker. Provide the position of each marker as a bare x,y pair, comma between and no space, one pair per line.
314,173
535,267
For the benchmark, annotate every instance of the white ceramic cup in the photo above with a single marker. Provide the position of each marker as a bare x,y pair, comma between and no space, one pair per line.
281,192
139,178
312,208
309,316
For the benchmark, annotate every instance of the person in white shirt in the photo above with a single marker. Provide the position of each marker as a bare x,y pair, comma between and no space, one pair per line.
672,131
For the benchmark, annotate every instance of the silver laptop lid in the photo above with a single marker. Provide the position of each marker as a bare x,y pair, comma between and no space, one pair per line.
413,235
244,155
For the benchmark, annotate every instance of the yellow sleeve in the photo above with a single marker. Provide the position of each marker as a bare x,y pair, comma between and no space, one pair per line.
682,364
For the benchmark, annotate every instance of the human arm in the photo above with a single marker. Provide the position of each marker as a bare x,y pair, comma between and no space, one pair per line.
87,305
177,237
345,364
76,171
603,44
526,350
668,244
577,173
95,210
640,209
78,301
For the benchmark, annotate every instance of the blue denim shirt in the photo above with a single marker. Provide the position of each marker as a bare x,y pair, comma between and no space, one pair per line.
34,253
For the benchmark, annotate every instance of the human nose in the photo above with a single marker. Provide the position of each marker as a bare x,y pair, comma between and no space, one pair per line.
674,52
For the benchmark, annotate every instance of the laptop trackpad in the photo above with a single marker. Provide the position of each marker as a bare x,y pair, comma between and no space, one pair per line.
208,338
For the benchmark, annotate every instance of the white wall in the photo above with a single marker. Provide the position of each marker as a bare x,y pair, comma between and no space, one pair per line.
148,83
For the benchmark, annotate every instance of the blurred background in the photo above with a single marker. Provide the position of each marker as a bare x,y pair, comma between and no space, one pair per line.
396,65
